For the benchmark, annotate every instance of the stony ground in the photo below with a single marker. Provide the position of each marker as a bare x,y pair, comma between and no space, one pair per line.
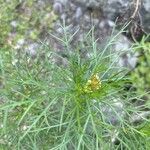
36,20
104,15
46,16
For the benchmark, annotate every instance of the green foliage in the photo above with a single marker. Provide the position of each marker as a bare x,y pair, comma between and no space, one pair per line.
140,78
45,105
146,129
141,74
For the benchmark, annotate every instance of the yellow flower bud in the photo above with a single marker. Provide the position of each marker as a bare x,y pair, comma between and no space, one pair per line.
93,84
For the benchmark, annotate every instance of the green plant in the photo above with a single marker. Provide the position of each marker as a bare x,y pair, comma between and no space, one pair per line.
140,75
140,78
80,106
142,72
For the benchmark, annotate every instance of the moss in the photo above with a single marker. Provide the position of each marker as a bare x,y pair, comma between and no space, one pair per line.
30,19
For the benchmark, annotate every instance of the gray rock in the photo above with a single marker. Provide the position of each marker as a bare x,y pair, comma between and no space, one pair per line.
31,49
59,30
63,2
57,7
146,5
63,16
145,15
122,44
108,6
112,8
14,23
87,18
91,3
113,114
138,117
123,53
128,60
20,43
78,13
73,6
95,21
106,24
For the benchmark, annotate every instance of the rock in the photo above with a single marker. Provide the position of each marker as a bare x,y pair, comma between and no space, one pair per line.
78,13
20,43
113,8
14,23
138,117
63,17
95,21
123,53
146,5
57,7
73,6
128,60
111,23
106,24
91,3
59,30
109,113
145,15
122,44
110,7
87,18
31,49
63,2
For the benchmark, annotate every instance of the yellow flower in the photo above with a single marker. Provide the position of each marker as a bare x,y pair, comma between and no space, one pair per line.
93,84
